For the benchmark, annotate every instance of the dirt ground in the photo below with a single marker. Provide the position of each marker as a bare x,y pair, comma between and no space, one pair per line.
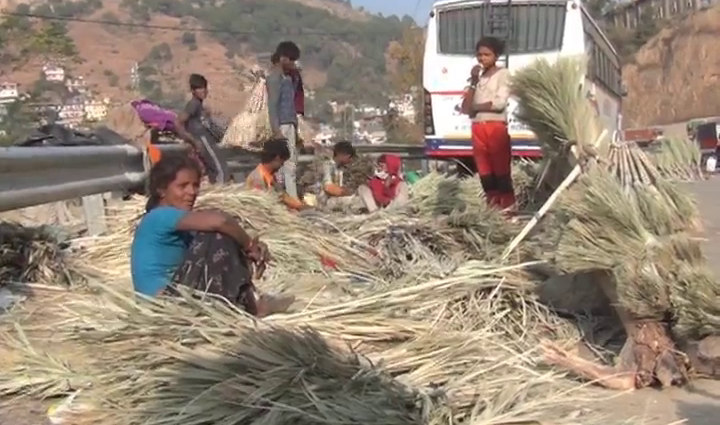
698,404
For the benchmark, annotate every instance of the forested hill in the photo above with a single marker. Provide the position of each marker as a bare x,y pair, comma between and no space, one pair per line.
344,49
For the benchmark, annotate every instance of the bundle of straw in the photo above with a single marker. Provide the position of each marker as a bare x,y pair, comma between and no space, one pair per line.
31,254
251,127
678,159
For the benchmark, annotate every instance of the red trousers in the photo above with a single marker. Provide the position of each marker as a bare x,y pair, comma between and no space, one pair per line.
493,159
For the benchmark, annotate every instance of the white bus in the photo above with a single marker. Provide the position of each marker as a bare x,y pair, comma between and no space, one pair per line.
531,29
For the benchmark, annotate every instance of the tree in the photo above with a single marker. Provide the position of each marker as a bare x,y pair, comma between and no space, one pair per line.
406,64
160,53
188,38
18,119
406,61
597,8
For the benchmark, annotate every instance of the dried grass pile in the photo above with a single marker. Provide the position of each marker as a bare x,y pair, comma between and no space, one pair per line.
678,159
402,355
31,254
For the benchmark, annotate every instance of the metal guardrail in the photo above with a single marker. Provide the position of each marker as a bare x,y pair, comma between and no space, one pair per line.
37,175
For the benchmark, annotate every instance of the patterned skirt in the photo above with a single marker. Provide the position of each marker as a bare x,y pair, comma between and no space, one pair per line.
215,264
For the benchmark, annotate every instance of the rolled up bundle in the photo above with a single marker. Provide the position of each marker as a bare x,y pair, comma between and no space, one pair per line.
251,127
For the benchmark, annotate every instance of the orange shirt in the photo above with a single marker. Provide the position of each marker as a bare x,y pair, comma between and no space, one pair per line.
262,179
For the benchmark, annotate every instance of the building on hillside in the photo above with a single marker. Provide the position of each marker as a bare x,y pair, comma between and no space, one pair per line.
372,131
76,85
325,136
9,92
72,112
404,105
628,14
53,73
96,110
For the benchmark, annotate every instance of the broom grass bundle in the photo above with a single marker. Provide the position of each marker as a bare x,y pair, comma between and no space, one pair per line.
554,104
187,360
622,221
678,159
655,276
640,178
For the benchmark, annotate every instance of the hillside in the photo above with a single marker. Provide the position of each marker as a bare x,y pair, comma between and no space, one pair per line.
675,76
343,48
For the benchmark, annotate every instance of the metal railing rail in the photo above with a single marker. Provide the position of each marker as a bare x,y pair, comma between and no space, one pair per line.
37,175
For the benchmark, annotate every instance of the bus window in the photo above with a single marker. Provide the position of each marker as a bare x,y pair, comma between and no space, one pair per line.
535,28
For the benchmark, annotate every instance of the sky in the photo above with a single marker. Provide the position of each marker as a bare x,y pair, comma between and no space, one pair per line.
417,9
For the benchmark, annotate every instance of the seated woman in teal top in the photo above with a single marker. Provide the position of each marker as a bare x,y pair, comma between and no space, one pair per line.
206,250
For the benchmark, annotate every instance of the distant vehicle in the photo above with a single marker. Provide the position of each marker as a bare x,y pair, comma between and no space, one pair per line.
693,125
707,136
531,30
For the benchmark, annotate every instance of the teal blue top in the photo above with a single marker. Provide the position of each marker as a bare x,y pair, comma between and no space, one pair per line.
157,249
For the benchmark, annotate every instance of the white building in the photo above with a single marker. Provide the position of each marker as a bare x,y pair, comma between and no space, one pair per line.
9,92
405,106
76,85
72,112
96,110
54,73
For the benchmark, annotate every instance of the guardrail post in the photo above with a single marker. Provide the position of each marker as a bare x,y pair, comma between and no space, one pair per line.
94,209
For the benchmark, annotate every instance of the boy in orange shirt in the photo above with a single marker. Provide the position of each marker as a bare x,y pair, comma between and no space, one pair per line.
274,154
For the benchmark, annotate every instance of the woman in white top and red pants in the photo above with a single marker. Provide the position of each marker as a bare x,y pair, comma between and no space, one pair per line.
485,101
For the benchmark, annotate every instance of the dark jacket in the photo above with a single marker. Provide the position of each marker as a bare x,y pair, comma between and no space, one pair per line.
281,99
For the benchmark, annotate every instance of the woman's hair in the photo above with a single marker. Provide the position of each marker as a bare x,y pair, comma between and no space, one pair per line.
494,44
275,148
164,172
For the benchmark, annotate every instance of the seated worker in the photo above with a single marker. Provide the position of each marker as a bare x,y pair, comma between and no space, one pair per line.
333,194
206,250
272,158
386,187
